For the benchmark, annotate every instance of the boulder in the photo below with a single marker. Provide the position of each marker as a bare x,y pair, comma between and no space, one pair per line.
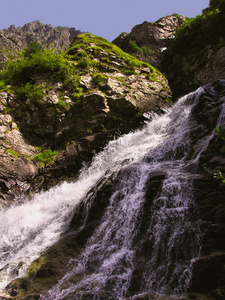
152,39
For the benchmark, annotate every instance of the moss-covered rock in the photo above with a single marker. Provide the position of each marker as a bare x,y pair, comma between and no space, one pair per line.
68,105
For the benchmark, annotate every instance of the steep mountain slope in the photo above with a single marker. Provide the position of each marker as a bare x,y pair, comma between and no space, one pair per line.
69,105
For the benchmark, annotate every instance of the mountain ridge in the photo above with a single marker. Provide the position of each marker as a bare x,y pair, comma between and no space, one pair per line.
14,38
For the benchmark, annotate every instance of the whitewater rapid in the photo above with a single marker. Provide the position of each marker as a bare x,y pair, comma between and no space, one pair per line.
31,226
112,254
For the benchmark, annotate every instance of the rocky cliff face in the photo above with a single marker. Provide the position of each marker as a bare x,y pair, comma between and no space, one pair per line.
14,39
104,93
152,39
196,56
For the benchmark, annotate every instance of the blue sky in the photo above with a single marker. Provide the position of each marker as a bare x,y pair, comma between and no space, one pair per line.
100,17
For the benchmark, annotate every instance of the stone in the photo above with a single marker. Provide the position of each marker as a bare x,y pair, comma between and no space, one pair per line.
154,36
59,37
76,124
197,60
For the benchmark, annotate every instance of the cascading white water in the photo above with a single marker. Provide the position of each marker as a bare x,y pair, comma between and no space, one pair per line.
29,228
110,250
110,257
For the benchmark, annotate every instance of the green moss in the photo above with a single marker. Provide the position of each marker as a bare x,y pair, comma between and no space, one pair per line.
153,77
100,45
89,131
99,79
17,154
139,114
120,80
152,87
77,97
62,105
46,157
68,144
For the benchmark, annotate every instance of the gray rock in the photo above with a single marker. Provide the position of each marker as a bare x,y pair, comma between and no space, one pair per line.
18,38
154,37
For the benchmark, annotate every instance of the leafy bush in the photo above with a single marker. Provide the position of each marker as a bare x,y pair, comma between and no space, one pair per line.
33,63
147,51
203,29
219,175
46,157
2,85
33,48
221,133
45,62
29,91
132,47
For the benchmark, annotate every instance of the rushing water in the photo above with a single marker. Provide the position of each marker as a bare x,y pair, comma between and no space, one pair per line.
116,250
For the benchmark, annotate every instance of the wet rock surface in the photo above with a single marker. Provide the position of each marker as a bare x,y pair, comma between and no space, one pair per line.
208,269
194,68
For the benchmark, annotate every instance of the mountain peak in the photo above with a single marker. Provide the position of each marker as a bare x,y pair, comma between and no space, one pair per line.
18,38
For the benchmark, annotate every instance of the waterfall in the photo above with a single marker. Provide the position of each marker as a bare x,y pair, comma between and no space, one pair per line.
148,237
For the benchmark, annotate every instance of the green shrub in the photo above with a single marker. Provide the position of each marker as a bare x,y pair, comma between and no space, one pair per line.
83,63
45,62
221,133
203,29
2,86
29,91
147,51
33,48
46,157
132,47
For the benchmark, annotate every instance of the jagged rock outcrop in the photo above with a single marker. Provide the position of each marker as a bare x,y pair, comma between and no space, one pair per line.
16,168
151,38
196,56
14,39
104,94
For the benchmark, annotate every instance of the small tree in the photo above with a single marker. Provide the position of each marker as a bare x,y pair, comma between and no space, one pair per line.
33,48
